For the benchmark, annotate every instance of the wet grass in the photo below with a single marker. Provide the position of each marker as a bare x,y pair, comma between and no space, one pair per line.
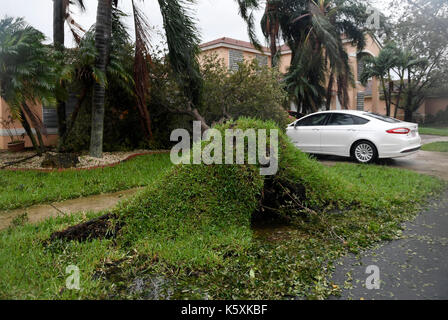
437,131
441,146
192,229
26,188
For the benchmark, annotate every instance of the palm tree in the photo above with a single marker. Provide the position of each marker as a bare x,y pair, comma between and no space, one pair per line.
103,31
183,41
79,68
61,14
406,61
26,74
313,30
381,67
270,25
407,65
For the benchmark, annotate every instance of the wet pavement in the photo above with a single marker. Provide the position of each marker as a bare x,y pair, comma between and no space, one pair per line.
94,203
414,267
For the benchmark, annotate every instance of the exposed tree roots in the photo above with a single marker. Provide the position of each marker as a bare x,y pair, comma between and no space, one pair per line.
104,227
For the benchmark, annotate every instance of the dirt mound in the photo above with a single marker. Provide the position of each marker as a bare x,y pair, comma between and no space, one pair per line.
103,227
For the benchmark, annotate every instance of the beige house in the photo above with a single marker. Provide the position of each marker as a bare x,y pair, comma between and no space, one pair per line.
231,52
47,115
367,98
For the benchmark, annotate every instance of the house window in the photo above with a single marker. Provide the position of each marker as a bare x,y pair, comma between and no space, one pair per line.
360,101
235,57
50,117
262,60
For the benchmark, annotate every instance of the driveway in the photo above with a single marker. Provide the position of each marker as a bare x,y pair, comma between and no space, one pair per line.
426,162
415,266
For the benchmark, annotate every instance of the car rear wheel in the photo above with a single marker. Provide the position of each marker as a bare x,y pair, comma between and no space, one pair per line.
364,152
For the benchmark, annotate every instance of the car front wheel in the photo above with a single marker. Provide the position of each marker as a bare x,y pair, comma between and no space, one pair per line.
364,152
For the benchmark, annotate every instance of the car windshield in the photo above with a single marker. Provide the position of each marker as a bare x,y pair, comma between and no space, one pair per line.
381,117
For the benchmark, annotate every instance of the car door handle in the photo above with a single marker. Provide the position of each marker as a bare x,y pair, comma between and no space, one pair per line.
351,129
316,129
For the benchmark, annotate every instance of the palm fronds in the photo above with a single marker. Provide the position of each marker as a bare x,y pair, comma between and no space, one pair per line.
314,31
27,71
183,40
141,67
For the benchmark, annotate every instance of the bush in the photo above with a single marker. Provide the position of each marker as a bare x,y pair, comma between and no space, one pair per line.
441,118
251,91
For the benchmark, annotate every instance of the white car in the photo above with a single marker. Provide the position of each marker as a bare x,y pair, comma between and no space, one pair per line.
365,136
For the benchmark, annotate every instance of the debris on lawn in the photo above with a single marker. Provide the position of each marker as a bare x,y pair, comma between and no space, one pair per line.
103,227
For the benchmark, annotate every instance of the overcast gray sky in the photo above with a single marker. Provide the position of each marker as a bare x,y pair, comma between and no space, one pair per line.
216,18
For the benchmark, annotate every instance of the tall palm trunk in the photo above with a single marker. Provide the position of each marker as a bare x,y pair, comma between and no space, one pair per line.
58,24
272,27
329,91
29,132
37,124
273,48
103,32
58,40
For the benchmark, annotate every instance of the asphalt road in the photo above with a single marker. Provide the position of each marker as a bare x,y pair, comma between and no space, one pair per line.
414,267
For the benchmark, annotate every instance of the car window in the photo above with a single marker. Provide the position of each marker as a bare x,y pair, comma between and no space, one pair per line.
340,119
359,120
314,120
381,117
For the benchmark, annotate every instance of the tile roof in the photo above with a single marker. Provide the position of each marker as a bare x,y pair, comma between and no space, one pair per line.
231,41
239,43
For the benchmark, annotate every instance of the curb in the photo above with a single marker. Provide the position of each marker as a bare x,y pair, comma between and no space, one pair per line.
132,156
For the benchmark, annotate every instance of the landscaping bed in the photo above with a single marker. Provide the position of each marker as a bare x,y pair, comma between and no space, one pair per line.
13,160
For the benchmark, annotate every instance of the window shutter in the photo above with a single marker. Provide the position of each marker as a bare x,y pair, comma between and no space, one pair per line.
360,101
50,117
235,57
262,60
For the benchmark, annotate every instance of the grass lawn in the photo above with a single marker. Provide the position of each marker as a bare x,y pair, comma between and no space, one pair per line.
25,188
441,146
298,265
438,131
190,232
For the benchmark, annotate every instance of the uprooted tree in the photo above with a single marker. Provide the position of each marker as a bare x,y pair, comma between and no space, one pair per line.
202,207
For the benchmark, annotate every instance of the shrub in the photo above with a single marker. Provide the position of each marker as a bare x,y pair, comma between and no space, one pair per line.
441,118
251,91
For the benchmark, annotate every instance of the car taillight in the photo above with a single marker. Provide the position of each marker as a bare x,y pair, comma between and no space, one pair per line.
399,131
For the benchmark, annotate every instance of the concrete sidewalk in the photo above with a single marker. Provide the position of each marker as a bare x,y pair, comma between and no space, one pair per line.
92,203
